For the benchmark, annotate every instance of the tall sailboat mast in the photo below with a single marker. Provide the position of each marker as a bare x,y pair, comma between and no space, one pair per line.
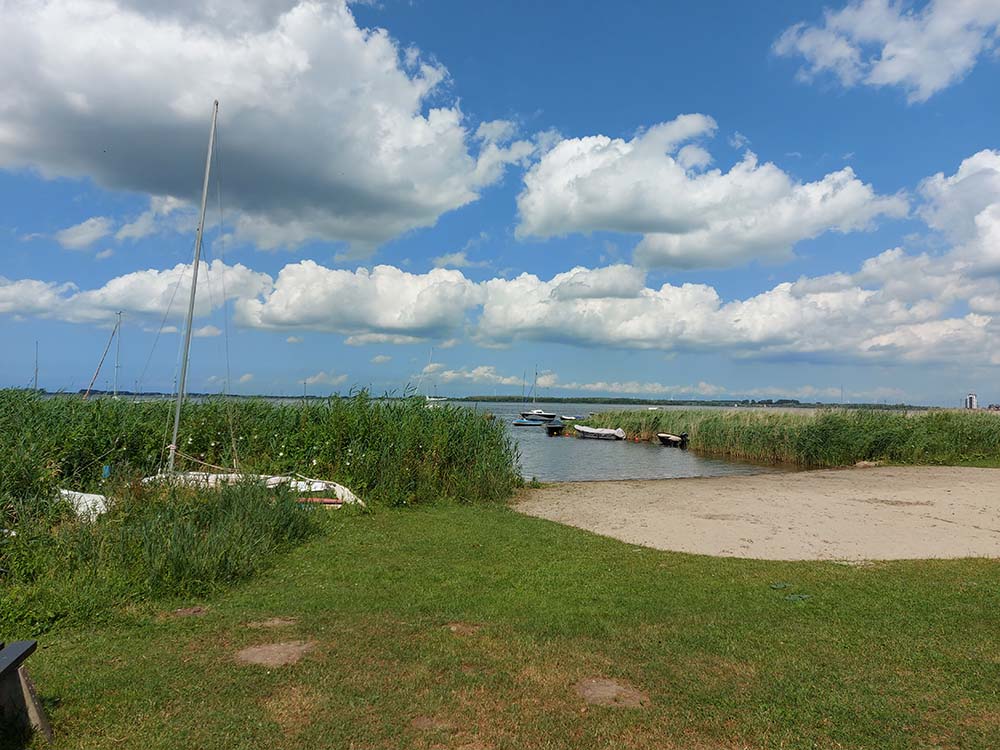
35,387
194,285
118,351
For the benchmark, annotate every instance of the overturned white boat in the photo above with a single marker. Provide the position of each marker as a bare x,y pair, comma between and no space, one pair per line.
599,433
90,505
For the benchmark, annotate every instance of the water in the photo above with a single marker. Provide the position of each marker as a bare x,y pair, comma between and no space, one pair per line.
567,459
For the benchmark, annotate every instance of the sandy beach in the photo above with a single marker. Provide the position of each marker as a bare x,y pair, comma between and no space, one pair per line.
881,513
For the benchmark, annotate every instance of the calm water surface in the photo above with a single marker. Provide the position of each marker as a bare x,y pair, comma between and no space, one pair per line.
568,459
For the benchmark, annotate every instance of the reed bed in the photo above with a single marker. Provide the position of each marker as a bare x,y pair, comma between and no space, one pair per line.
395,452
823,438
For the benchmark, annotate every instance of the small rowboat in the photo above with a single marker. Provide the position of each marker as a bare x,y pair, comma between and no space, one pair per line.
527,423
673,441
599,433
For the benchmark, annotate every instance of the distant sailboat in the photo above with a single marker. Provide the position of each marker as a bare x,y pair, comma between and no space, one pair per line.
539,415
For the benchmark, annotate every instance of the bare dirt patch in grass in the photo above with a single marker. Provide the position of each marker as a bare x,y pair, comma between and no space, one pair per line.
463,628
275,654
431,724
274,622
292,708
602,691
196,611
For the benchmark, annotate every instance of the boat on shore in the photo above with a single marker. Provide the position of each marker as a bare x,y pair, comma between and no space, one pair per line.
554,428
539,414
673,441
599,433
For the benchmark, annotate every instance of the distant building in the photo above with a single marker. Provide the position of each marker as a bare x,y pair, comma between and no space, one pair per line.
971,402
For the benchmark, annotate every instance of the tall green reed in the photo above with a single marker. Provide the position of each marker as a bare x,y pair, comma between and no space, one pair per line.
834,437
389,451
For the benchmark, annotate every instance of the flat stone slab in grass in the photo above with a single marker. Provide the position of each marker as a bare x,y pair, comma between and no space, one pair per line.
275,654
274,622
601,691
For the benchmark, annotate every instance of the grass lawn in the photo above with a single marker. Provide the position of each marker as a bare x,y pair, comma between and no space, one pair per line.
899,655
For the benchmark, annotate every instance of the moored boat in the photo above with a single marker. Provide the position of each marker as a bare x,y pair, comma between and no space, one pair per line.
539,414
673,441
528,423
599,433
572,418
554,428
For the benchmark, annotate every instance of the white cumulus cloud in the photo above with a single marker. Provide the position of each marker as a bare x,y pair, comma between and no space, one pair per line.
84,234
688,216
385,304
327,130
884,43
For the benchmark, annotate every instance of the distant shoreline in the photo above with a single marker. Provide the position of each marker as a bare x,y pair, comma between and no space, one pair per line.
785,403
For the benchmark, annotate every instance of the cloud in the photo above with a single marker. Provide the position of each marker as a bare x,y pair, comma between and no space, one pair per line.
896,307
294,340
965,207
739,141
457,260
380,359
325,378
884,43
84,234
650,389
496,131
484,374
689,217
149,293
104,254
207,332
385,304
328,131
246,377
151,220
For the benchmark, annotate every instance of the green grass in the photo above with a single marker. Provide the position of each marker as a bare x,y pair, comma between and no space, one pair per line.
894,655
824,437
154,543
388,452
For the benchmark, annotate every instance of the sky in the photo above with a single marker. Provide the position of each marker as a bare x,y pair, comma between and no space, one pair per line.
790,199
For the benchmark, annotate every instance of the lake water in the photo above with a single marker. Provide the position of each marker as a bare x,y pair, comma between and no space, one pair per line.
565,459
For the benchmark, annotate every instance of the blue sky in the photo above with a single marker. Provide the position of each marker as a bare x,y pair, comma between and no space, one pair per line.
658,200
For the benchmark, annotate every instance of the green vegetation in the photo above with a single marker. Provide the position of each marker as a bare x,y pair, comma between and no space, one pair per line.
153,543
887,656
159,543
390,452
823,438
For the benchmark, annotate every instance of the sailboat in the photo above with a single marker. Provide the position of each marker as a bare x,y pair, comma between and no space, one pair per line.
538,415
92,504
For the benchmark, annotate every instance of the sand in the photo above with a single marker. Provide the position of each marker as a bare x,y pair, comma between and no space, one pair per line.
881,513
